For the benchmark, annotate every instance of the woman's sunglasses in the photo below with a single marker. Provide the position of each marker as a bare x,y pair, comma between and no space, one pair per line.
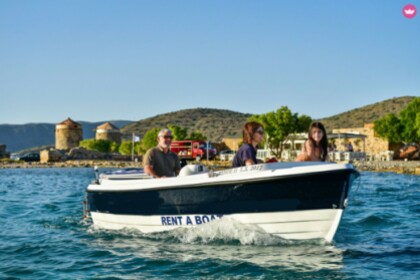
260,132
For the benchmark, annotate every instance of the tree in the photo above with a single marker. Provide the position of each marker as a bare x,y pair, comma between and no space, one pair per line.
198,136
389,127
114,147
104,146
304,122
149,140
88,144
126,148
178,132
408,117
279,125
406,128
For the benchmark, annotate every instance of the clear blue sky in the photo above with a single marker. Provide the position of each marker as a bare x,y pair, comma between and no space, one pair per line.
101,60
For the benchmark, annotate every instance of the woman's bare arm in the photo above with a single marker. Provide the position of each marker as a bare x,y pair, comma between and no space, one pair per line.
249,162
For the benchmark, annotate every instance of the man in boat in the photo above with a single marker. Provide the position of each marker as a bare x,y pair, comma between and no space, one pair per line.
160,162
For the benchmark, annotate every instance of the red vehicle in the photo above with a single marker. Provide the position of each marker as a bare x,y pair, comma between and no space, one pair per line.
191,149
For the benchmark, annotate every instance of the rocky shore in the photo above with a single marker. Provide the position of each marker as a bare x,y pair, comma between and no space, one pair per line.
213,165
71,163
402,167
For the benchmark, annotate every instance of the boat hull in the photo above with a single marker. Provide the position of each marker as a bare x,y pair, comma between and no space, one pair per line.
295,206
296,225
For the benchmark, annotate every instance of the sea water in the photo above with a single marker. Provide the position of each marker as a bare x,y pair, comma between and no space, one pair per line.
43,236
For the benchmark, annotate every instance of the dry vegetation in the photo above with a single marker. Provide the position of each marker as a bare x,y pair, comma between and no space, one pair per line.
213,123
367,114
218,124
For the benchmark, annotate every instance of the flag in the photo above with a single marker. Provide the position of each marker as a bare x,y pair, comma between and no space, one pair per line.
136,138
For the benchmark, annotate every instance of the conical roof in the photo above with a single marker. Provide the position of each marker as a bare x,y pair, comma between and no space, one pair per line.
70,122
107,126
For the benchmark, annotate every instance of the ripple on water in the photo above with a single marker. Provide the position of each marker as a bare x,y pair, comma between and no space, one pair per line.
44,237
376,220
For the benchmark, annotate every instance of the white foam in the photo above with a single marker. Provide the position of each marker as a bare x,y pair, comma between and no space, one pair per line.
223,231
226,230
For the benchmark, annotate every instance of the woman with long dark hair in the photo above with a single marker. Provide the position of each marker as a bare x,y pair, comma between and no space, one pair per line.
252,135
316,147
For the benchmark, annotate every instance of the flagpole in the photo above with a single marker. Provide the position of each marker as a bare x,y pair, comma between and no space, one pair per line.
132,148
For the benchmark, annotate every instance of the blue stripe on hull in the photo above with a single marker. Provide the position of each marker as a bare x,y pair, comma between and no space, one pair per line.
305,192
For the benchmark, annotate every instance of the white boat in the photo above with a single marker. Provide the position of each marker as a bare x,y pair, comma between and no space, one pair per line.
295,200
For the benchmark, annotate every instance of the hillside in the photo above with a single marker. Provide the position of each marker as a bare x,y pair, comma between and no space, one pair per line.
24,136
218,124
366,114
215,124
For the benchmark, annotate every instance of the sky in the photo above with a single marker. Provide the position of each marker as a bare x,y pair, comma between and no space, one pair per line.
101,60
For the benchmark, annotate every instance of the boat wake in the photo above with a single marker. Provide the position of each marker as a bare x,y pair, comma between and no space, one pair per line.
220,232
218,243
224,231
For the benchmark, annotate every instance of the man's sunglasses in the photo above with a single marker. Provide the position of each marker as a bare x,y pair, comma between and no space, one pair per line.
167,137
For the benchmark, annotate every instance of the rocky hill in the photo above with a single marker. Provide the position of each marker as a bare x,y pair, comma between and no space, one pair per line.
366,114
215,124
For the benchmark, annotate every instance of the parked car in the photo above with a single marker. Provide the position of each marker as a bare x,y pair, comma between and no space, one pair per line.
227,155
29,157
192,149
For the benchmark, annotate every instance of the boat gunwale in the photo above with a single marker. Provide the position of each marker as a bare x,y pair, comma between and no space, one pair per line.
350,171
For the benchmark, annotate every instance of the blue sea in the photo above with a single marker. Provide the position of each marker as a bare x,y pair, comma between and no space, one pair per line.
43,236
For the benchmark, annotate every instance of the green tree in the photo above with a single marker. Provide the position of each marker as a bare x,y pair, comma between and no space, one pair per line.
279,125
178,132
304,122
126,147
408,118
97,145
149,140
114,147
88,144
406,128
418,124
196,135
389,127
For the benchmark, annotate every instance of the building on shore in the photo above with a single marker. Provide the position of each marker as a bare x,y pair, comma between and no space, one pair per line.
68,134
51,156
108,131
371,144
232,143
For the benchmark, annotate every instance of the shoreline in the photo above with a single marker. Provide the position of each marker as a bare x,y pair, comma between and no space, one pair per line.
396,166
400,167
214,165
72,164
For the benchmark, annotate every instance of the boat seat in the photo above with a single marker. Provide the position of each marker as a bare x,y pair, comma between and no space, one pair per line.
192,169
